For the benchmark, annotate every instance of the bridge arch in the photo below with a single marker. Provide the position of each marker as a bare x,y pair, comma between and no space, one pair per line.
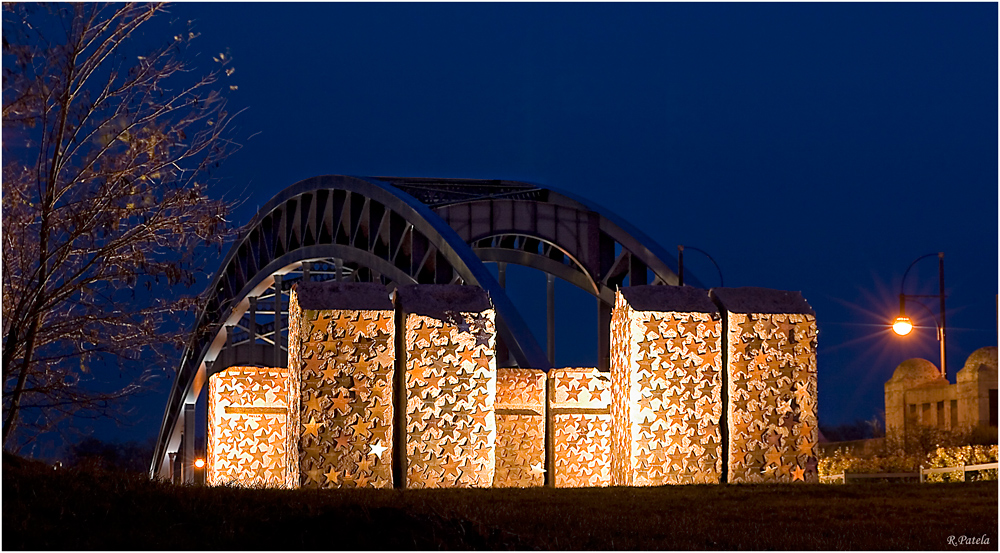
399,231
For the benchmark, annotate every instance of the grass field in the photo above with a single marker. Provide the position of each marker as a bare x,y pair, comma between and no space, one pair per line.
46,509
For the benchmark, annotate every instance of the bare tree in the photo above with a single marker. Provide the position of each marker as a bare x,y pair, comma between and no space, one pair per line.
105,206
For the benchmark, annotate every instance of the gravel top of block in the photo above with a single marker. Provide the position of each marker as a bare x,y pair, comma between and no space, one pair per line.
436,300
669,298
343,295
750,299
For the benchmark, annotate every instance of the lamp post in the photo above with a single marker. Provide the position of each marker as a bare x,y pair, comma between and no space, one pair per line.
902,325
680,264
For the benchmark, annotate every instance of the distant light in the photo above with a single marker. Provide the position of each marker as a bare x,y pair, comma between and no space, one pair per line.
902,326
199,463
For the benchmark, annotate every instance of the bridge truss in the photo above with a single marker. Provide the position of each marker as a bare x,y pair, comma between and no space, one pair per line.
399,231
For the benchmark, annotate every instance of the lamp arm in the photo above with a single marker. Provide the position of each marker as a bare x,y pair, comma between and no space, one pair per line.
937,327
903,283
682,248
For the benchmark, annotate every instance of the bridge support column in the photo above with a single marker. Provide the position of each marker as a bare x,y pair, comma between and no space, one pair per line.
550,302
603,336
253,319
503,357
278,359
187,458
175,468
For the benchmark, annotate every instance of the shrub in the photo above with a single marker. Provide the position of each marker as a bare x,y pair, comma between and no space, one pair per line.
846,460
963,455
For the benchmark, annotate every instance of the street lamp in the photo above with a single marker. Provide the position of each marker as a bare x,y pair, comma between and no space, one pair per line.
680,264
902,325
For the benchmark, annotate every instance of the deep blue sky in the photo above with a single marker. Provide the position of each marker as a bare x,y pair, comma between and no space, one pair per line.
811,147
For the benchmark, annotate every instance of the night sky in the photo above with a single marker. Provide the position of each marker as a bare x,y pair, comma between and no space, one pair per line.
818,148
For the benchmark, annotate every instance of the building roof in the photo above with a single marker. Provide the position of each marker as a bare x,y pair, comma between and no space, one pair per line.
983,359
915,372
750,299
438,300
669,298
342,295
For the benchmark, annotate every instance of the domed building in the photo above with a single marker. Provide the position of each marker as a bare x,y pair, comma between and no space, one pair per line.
917,394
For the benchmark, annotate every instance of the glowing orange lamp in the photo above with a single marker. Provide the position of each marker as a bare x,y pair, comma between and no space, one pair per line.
902,325
199,463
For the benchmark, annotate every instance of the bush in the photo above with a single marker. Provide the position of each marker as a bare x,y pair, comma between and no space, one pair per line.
846,460
964,455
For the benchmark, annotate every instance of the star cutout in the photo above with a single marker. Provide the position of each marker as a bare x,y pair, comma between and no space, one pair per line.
646,365
330,373
378,411
313,404
361,427
314,475
332,476
802,393
312,427
753,345
363,367
689,327
341,403
572,394
384,358
377,449
747,326
772,457
483,338
321,323
344,323
677,439
383,322
379,431
804,430
451,349
467,355
365,465
382,339
671,324
483,361
313,365
360,326
652,327
805,447
434,380
424,333
312,451
343,441
798,474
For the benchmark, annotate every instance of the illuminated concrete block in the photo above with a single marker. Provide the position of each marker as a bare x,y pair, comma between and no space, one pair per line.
450,385
248,432
771,372
666,387
520,419
341,356
581,415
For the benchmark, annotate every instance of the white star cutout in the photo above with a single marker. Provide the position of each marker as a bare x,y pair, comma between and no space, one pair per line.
377,448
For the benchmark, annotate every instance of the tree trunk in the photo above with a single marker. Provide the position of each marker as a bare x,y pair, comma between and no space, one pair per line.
10,422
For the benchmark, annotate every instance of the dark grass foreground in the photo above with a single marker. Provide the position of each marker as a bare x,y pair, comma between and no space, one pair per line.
46,509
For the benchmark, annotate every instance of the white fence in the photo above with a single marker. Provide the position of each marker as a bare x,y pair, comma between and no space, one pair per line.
961,469
844,477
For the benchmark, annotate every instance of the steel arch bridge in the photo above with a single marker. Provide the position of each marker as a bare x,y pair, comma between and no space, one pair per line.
403,231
